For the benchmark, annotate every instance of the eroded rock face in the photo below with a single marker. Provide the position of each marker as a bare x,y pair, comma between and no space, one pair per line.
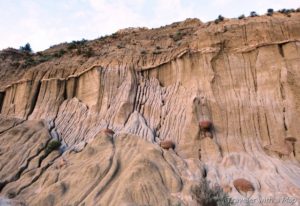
148,87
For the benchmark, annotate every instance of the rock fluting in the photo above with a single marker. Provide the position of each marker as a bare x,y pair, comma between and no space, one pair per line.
149,86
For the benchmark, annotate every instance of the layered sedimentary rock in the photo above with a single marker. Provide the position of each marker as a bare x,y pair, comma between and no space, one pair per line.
150,86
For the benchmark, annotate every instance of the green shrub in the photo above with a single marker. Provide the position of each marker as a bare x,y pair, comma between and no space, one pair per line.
15,64
26,48
115,35
88,52
178,35
103,37
241,16
205,195
283,11
287,12
60,53
52,145
44,58
270,12
29,61
253,14
219,19
76,44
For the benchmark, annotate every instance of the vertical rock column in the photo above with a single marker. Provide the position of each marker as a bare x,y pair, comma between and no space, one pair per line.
2,94
20,99
51,95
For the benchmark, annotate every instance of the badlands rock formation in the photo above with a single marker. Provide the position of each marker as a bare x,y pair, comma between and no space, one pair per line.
152,86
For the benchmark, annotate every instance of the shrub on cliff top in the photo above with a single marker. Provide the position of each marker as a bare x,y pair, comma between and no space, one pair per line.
26,48
253,14
270,12
76,44
219,19
241,16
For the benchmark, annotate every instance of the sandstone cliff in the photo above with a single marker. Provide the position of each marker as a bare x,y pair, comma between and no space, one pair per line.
149,86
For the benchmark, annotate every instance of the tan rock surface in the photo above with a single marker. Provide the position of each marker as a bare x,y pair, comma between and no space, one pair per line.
148,86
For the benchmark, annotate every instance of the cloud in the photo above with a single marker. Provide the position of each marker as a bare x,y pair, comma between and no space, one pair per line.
221,2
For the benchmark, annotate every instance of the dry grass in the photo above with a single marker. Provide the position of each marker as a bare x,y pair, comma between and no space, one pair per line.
206,195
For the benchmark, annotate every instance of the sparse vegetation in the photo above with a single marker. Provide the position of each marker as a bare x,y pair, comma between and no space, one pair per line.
103,38
287,12
43,58
88,52
40,58
60,53
270,12
178,35
52,145
15,64
29,61
219,19
283,11
206,195
253,14
26,48
85,51
143,52
241,16
76,44
114,35
81,48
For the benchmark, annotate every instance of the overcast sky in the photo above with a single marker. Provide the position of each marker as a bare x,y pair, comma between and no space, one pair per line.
43,23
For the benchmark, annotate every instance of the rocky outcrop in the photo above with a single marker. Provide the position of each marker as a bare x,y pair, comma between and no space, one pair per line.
150,87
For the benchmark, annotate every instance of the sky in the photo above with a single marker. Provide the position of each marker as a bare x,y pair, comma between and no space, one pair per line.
43,23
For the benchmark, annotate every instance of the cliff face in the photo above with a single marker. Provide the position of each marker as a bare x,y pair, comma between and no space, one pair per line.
149,86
